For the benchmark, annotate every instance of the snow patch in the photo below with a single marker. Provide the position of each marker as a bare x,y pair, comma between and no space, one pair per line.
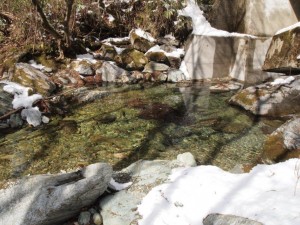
268,194
118,186
282,81
88,57
288,28
36,65
22,100
179,52
144,34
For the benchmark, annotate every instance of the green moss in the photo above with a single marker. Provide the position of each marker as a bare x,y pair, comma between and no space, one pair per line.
245,98
48,62
273,148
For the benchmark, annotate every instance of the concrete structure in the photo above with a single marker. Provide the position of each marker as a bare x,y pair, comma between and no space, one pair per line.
238,57
255,17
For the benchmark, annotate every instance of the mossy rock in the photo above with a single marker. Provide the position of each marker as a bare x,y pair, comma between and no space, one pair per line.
108,52
157,57
47,62
28,76
131,59
139,43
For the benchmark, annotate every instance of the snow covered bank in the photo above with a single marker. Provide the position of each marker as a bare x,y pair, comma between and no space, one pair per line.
269,194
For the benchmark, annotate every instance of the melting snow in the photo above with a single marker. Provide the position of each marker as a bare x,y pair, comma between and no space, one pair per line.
144,34
288,28
88,57
118,186
177,53
21,99
282,81
269,194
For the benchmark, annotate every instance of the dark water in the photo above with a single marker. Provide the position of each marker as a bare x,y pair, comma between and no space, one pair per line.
155,122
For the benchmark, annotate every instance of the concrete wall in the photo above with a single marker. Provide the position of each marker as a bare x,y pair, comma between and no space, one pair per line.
255,17
241,58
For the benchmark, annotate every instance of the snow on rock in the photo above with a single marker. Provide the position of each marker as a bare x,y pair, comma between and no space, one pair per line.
269,194
35,65
144,34
179,52
288,28
116,40
201,26
118,186
282,81
22,100
88,57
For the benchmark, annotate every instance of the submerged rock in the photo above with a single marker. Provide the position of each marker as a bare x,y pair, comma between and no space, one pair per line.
278,98
28,76
52,199
283,143
220,219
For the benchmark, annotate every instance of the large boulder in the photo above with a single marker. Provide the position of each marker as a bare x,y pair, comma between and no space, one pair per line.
52,199
238,56
283,55
283,143
121,207
260,18
131,59
28,76
83,67
278,98
112,73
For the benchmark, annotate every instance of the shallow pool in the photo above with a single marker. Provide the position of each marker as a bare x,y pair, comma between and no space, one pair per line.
151,122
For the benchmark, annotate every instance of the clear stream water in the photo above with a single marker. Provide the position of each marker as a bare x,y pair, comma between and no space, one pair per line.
154,122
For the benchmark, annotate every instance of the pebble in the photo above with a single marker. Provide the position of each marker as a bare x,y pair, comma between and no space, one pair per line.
97,219
84,218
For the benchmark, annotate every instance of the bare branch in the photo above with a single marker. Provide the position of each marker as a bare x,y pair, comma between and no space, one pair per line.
69,4
48,27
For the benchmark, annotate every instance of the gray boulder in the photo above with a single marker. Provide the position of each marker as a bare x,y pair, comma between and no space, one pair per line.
175,75
112,73
83,67
272,98
153,66
52,199
121,208
219,219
